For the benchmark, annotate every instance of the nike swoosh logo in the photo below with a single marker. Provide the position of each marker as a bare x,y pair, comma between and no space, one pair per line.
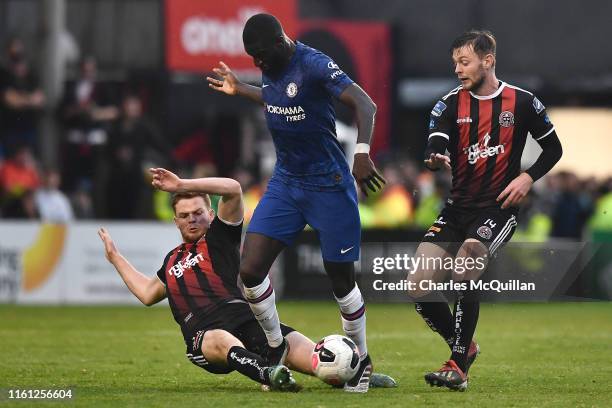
263,86
344,251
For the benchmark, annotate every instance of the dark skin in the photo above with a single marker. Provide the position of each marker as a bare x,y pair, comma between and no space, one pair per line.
260,251
271,60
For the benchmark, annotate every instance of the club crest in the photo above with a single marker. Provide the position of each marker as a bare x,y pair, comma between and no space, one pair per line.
292,89
506,119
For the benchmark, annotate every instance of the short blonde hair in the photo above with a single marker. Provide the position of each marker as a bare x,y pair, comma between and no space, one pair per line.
176,197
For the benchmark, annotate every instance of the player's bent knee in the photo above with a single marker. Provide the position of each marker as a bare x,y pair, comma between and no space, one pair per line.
414,280
217,343
342,276
258,254
430,259
473,247
251,275
471,261
300,352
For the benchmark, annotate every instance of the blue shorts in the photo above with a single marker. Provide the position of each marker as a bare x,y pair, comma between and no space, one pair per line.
284,211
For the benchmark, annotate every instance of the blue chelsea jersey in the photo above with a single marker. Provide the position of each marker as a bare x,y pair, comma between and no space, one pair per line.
301,117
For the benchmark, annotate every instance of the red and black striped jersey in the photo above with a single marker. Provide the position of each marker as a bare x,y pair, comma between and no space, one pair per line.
201,277
485,136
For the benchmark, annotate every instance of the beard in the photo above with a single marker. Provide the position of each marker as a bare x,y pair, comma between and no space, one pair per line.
477,83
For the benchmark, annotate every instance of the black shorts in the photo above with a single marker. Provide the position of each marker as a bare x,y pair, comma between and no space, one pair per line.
492,226
249,333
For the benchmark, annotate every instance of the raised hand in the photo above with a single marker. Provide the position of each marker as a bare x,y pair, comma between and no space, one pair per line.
165,180
229,82
109,246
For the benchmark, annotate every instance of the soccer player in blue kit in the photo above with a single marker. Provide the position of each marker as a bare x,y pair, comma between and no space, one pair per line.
312,183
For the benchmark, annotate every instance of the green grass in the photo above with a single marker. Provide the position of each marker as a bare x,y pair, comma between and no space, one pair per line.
533,355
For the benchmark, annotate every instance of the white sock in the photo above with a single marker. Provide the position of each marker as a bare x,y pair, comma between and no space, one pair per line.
262,300
353,314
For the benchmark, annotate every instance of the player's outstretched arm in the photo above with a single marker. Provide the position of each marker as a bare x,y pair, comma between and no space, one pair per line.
364,171
231,207
231,85
148,290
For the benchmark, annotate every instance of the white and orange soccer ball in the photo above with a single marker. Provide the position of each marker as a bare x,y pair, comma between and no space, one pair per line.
335,359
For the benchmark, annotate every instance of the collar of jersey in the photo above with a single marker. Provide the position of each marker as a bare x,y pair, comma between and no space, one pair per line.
502,85
190,245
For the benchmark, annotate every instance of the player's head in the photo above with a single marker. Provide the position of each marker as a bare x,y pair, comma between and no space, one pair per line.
265,41
192,214
473,54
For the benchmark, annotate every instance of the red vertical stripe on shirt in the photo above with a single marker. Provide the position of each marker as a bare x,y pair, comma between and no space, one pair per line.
172,285
506,134
214,280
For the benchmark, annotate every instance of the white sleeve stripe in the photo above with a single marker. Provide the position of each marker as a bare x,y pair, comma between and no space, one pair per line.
453,92
546,134
444,135
233,224
520,89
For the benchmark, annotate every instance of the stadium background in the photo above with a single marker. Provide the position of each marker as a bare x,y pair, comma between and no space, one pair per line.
118,86
113,89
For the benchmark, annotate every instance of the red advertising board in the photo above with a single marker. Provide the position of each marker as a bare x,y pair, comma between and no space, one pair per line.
369,48
200,33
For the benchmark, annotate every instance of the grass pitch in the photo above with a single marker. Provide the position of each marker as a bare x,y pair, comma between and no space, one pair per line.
532,355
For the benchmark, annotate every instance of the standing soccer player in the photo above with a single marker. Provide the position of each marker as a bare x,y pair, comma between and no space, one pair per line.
312,183
483,123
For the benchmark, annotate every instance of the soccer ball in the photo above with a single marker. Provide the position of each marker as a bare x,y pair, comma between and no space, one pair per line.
335,359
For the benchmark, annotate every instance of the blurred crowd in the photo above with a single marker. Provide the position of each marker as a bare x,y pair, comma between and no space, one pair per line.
561,205
107,143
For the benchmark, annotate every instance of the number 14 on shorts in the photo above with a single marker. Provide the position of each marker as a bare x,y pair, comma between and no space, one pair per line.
489,222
